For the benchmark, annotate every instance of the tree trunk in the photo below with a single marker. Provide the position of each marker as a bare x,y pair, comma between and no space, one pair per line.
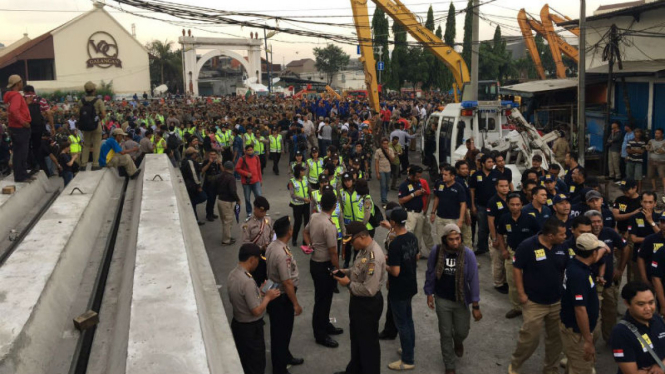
162,71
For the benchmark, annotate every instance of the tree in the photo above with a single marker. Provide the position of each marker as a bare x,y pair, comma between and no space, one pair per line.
439,71
380,29
330,60
427,57
449,39
166,65
398,66
468,34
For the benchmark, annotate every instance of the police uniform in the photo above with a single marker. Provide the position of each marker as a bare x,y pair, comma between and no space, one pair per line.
367,276
247,328
281,267
259,232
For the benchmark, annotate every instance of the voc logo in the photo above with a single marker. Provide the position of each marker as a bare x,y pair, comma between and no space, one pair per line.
102,51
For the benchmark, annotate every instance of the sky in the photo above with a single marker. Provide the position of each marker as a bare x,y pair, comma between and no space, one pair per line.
39,16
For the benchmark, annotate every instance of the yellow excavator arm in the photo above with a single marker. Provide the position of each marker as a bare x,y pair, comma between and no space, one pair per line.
523,21
558,20
333,93
403,16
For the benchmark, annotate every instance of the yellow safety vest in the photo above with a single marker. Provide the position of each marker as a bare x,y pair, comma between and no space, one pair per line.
180,132
229,136
348,202
315,169
336,214
159,146
359,210
220,140
191,130
300,189
259,146
75,146
275,144
293,166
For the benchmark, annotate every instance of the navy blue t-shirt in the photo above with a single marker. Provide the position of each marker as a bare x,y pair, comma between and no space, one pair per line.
497,207
613,241
484,185
542,270
450,199
542,216
518,230
639,227
465,184
579,290
408,187
626,347
651,252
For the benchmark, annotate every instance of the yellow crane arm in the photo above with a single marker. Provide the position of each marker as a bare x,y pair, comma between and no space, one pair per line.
333,93
530,42
558,20
364,32
553,40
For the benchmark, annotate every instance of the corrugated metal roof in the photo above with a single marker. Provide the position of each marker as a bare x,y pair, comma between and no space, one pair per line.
631,67
543,86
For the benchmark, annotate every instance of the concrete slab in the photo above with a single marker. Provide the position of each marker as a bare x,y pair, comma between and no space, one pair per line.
40,280
171,330
14,207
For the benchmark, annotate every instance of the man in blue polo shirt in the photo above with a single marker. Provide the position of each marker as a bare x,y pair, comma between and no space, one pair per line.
538,270
549,183
497,207
579,307
651,256
642,225
629,353
594,201
482,188
516,227
449,201
538,206
111,154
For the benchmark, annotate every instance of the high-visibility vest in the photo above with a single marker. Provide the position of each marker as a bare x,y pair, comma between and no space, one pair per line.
220,140
191,130
229,136
259,146
359,210
159,146
300,189
348,201
75,146
336,214
293,166
315,169
275,143
180,132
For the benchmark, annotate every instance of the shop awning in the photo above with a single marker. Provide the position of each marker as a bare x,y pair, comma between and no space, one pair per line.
527,89
631,68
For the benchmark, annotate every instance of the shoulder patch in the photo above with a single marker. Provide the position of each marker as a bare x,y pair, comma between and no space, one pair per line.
370,269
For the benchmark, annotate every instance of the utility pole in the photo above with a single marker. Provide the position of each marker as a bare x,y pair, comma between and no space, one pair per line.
475,49
613,48
380,53
581,85
265,41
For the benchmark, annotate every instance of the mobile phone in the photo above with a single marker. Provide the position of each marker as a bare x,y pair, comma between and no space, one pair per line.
267,286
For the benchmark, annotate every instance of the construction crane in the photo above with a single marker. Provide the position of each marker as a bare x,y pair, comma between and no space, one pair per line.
403,16
556,43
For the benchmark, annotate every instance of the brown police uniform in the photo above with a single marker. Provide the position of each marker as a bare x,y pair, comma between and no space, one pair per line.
259,232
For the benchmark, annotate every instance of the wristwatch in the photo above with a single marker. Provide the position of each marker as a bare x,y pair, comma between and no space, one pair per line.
653,224
475,307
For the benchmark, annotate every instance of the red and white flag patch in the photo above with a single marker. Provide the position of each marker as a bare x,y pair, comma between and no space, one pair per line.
654,264
579,297
618,352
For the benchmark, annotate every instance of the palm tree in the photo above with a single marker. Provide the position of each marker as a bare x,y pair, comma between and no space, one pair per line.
161,52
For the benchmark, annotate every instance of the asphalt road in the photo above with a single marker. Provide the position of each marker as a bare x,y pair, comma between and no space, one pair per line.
488,348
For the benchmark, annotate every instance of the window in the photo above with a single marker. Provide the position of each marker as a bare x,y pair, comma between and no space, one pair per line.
41,70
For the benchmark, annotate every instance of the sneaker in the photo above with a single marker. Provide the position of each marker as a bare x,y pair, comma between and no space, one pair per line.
399,366
513,313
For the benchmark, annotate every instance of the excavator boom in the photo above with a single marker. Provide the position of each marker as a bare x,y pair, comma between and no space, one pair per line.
530,43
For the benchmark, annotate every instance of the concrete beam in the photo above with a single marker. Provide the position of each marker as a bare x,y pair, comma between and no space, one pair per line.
39,282
176,314
15,207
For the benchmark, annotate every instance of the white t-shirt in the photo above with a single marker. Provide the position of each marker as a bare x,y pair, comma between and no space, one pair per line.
318,131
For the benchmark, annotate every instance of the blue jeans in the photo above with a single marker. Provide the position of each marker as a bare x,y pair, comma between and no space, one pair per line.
247,190
483,229
385,180
325,143
404,322
67,177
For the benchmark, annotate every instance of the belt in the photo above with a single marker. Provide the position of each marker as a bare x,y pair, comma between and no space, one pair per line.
414,211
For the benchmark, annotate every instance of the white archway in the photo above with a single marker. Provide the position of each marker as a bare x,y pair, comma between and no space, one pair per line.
218,46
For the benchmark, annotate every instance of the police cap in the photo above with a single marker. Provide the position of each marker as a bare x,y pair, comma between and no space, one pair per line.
261,203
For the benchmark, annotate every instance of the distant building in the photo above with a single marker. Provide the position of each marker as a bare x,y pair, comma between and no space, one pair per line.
302,66
91,47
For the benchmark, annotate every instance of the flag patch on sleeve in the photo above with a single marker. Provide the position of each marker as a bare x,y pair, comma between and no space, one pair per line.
618,352
654,264
579,297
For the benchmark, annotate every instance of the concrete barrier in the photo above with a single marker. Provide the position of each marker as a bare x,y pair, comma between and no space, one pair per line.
40,280
15,207
177,322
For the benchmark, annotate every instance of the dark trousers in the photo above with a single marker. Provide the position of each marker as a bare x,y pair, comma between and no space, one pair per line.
20,150
323,295
251,345
275,156
364,315
348,250
197,199
281,315
211,197
404,158
389,327
300,214
262,158
37,161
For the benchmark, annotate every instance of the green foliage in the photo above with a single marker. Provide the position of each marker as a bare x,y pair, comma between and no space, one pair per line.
429,23
449,36
468,34
495,61
103,89
399,59
165,65
441,75
381,33
330,60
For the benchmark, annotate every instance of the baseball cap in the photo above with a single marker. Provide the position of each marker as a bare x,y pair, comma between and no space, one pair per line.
347,176
398,215
249,250
593,194
352,229
627,184
588,242
549,178
323,178
13,80
451,227
118,132
560,197
314,149
89,86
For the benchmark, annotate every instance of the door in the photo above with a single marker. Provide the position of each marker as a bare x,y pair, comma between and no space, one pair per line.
638,97
658,120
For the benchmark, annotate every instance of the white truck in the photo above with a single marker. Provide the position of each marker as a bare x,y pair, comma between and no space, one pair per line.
494,125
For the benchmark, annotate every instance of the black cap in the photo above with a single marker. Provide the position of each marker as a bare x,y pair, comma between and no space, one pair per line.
323,178
398,215
298,153
415,169
327,188
282,223
248,250
354,228
356,160
627,184
261,203
314,149
347,176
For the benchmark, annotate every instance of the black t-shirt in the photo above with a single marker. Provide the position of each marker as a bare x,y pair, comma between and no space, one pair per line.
651,252
284,124
465,184
576,193
445,286
402,252
506,173
626,347
626,205
581,208
497,207
639,227
542,270
613,241
579,290
542,216
408,187
484,185
568,177
450,199
63,159
518,231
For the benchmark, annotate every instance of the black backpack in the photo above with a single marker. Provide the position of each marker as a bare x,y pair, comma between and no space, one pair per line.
37,125
172,142
88,117
376,218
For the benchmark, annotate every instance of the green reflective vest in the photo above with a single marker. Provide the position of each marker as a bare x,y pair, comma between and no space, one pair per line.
348,201
336,214
159,146
75,143
275,143
301,190
315,169
359,210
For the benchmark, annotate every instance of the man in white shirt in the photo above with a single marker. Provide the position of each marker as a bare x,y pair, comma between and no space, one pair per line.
310,131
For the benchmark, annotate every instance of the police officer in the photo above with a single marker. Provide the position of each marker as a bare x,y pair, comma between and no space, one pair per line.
364,280
321,235
482,186
516,227
496,208
282,269
641,321
314,168
580,306
248,309
257,229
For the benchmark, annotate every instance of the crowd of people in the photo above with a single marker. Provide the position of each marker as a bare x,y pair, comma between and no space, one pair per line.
558,251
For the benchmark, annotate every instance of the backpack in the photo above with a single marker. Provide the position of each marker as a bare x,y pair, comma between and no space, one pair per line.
376,217
88,117
172,142
37,124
